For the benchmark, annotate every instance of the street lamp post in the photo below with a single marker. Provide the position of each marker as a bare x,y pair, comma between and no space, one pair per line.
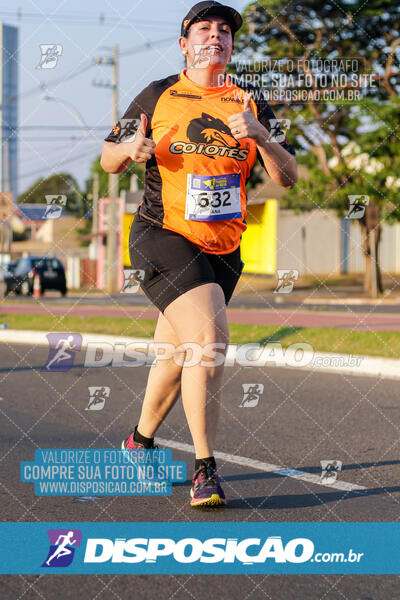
112,235
75,113
112,245
78,117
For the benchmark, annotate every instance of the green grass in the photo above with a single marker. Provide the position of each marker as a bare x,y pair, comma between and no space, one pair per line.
107,325
324,339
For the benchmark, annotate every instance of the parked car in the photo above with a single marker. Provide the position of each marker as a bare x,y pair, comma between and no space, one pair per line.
10,267
6,271
3,284
50,271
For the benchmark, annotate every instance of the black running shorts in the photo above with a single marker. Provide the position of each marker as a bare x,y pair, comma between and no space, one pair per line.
172,265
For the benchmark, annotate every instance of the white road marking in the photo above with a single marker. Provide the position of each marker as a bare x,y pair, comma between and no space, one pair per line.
266,467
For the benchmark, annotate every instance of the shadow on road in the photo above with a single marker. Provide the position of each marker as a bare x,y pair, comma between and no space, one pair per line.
279,335
313,469
353,466
304,500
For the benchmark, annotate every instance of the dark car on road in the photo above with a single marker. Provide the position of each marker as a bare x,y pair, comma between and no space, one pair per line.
3,284
6,271
50,271
10,267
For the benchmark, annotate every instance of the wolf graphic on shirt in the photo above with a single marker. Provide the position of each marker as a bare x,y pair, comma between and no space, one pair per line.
209,130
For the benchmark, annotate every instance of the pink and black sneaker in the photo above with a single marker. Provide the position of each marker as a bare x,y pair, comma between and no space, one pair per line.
131,444
206,488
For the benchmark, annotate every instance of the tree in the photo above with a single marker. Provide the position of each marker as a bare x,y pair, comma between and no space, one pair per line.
57,184
323,129
124,178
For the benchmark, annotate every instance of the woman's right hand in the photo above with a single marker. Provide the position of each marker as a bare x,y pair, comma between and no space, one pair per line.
142,148
115,157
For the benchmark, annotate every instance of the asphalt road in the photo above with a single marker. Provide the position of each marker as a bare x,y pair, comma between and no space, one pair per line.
301,418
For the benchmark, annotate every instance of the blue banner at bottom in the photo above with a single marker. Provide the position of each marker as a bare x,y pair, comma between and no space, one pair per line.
200,548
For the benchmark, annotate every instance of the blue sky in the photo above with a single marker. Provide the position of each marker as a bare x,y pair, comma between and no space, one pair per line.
76,26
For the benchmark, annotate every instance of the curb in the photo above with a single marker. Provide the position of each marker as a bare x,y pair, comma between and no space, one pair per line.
39,338
344,301
320,362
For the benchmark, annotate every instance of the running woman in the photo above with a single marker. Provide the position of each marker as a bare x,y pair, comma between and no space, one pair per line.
199,133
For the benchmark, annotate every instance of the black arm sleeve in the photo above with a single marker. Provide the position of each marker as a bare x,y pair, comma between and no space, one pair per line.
267,118
126,128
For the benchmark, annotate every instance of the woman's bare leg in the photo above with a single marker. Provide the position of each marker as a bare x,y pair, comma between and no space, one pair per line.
199,316
163,384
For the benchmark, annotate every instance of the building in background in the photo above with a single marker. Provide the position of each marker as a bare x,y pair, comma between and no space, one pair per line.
32,216
9,109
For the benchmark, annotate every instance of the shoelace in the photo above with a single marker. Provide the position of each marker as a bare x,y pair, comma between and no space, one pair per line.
205,474
154,446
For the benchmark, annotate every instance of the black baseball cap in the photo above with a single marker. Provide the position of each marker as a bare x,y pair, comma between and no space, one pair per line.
211,8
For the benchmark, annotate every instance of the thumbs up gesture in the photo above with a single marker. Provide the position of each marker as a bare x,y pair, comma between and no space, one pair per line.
247,103
245,124
142,148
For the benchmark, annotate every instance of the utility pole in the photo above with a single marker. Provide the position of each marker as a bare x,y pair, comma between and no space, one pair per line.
374,279
112,235
95,213
112,245
7,202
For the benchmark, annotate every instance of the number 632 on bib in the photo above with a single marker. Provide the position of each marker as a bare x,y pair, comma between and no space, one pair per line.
213,198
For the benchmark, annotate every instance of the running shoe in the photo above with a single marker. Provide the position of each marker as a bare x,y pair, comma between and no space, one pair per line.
130,444
206,488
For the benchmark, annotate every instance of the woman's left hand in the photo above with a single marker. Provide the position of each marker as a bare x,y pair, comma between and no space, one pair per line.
245,124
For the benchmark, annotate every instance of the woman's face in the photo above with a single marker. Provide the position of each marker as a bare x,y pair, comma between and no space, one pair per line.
208,43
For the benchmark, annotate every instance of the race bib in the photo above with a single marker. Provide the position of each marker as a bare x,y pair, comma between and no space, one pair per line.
213,198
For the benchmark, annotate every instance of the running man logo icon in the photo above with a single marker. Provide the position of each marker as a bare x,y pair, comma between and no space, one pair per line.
50,55
127,129
330,471
357,205
98,395
251,394
132,280
62,351
63,543
286,279
202,57
276,126
55,204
